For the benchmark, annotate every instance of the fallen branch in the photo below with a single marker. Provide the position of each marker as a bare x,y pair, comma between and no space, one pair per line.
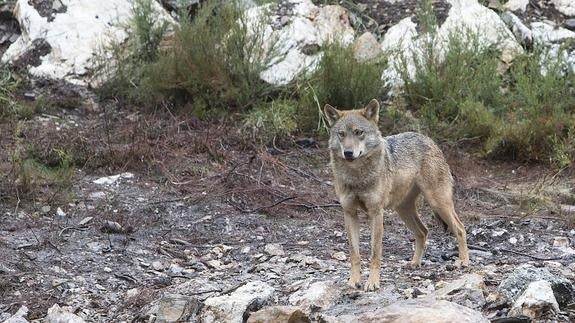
313,206
528,255
265,206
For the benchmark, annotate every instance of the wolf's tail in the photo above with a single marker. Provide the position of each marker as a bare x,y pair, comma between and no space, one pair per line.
440,221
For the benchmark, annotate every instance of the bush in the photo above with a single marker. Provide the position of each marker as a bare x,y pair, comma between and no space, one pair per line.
216,59
145,33
341,81
539,111
267,121
523,115
8,84
465,78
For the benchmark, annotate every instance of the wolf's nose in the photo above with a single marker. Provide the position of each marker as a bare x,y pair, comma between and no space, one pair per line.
348,154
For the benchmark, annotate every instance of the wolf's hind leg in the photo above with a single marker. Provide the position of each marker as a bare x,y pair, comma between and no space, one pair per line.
441,201
408,213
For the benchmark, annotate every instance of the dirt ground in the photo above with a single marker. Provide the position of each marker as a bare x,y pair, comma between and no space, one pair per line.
196,203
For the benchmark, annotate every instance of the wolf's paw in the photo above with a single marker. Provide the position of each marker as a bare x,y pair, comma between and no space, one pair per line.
354,282
372,284
461,263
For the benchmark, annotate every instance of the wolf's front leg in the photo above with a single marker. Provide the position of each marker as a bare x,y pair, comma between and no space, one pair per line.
352,229
376,218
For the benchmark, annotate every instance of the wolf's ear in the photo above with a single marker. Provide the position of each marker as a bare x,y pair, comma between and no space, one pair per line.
331,114
371,111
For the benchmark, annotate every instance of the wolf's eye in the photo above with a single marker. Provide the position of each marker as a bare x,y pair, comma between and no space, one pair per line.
358,132
341,134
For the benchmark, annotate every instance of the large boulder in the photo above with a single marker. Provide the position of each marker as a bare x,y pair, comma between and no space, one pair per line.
294,34
537,301
318,295
273,314
516,283
69,43
234,307
405,45
466,291
419,310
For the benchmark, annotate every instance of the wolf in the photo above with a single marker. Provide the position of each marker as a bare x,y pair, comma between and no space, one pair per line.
374,173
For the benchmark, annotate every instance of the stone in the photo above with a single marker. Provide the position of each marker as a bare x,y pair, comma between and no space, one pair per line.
175,308
419,310
74,38
547,33
309,26
340,255
516,282
232,308
466,291
109,180
403,42
46,209
57,314
366,48
570,24
318,295
19,316
273,314
517,5
60,212
566,7
521,32
561,242
274,249
157,265
536,301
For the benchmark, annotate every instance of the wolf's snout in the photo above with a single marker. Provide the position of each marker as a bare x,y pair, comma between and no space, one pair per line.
348,154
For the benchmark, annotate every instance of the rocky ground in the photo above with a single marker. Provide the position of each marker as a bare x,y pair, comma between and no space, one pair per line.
261,229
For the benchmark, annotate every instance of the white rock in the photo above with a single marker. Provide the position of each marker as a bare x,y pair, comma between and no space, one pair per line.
522,33
19,316
56,314
537,300
517,5
340,255
561,242
60,212
109,180
547,33
231,308
76,37
308,24
317,295
467,291
366,48
402,40
566,7
419,310
173,308
274,249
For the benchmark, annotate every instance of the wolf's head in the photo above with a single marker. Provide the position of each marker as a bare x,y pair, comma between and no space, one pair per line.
353,133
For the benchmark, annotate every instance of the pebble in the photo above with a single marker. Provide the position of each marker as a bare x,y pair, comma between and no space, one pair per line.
108,269
340,255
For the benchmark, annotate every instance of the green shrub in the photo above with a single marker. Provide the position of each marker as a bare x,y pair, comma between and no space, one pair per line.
145,32
341,81
438,90
216,59
539,111
270,120
8,84
523,115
